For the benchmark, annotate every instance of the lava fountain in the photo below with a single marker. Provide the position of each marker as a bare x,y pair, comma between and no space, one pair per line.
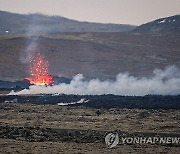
39,71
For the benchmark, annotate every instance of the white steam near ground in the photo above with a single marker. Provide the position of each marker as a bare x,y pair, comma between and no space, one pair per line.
82,100
164,82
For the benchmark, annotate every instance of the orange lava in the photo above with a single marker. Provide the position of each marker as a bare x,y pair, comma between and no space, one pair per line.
39,71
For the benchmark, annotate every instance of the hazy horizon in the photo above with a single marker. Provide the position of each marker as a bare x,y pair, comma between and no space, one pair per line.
115,11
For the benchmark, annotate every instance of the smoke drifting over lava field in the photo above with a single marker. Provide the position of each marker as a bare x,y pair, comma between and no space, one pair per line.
165,82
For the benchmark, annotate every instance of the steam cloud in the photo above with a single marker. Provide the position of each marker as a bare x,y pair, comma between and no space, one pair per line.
164,82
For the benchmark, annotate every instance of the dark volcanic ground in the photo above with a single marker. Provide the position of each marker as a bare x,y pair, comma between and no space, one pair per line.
96,55
98,101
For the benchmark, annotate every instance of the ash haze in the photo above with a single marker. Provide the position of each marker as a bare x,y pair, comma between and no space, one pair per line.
134,12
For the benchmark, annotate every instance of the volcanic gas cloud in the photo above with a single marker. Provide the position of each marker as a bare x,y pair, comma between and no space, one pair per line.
39,71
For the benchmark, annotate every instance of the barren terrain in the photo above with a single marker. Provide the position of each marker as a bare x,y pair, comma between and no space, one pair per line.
96,55
30,128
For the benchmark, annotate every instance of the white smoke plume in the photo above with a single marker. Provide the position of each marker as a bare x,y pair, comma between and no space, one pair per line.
165,82
32,36
30,49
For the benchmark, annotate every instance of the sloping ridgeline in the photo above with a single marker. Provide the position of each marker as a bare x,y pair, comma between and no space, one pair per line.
163,25
19,23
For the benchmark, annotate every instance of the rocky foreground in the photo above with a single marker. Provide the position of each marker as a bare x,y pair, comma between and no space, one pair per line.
33,128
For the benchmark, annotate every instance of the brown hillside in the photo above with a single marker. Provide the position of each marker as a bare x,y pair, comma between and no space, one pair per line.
96,55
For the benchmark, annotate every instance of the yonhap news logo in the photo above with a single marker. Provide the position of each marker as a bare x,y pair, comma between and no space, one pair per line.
113,139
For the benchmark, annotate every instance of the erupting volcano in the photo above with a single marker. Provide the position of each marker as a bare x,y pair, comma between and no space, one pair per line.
39,71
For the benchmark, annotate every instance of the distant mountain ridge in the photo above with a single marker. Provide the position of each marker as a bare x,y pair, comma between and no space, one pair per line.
163,25
20,23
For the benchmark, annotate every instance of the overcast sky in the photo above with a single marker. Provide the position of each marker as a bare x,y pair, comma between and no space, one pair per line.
105,11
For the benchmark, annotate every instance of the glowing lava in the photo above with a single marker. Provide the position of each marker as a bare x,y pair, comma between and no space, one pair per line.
39,71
